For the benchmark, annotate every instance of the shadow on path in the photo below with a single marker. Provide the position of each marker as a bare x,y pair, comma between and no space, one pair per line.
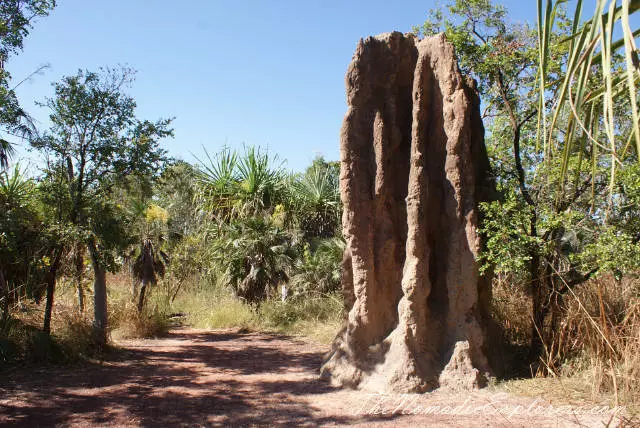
190,377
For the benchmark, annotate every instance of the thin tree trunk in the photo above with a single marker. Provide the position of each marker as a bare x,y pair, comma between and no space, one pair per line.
541,296
51,277
99,296
134,289
143,290
175,293
4,288
78,275
80,292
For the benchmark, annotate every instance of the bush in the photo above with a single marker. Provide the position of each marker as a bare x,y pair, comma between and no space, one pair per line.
254,255
319,269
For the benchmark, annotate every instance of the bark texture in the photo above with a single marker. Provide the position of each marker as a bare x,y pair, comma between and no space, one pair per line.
99,296
413,170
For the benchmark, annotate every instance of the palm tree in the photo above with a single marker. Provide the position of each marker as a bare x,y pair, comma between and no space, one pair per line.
147,266
317,200
148,261
232,185
254,255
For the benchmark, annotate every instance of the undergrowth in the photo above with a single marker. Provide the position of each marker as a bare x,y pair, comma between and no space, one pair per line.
594,354
316,316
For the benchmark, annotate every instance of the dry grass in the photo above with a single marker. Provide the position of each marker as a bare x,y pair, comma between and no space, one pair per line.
22,339
599,338
127,323
594,354
316,316
213,306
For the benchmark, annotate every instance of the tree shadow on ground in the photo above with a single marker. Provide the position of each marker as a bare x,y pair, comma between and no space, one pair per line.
189,378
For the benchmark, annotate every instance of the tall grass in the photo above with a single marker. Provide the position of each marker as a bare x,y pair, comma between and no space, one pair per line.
594,353
208,306
599,338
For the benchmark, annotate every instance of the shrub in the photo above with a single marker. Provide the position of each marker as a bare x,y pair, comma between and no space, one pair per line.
319,270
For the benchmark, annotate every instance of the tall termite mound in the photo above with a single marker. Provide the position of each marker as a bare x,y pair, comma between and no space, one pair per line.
413,170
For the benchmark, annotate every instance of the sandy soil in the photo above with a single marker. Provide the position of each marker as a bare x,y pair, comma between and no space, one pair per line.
225,378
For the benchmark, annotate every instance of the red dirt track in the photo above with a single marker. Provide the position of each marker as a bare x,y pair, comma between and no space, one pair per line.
223,378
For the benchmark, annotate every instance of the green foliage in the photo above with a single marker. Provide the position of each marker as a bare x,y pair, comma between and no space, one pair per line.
583,105
506,227
489,47
176,191
95,145
256,216
150,228
24,238
231,185
16,19
254,256
319,269
316,199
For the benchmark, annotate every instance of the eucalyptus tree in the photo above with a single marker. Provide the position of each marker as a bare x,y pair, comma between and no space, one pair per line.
16,19
94,146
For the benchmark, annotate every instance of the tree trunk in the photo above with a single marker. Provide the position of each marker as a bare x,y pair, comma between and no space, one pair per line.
175,293
541,300
78,275
134,289
143,290
51,288
4,289
99,296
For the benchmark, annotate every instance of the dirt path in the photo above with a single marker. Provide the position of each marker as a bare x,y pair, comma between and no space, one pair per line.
213,378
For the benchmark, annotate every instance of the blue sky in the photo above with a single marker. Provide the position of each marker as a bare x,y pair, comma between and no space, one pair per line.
267,73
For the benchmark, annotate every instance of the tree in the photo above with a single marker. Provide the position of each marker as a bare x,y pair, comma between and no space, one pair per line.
23,237
148,260
232,185
254,255
586,111
538,230
95,145
316,199
176,192
16,19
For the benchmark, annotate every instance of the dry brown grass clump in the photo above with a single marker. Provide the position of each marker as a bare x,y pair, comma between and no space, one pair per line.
593,354
128,323
22,339
599,337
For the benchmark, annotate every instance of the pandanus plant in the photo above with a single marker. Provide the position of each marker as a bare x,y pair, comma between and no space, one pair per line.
148,261
149,264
